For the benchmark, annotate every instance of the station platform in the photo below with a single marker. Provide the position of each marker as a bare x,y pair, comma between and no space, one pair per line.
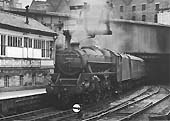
22,93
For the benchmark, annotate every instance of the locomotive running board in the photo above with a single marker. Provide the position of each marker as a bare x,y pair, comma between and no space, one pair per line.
87,76
96,62
109,66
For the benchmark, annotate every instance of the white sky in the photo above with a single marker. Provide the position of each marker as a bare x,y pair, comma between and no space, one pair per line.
27,2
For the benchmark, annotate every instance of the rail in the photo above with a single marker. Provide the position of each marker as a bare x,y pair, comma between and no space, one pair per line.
123,105
36,115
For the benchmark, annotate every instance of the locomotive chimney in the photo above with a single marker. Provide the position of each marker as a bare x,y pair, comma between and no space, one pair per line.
67,35
75,45
27,21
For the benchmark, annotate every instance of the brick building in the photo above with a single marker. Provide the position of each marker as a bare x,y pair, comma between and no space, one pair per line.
49,12
139,10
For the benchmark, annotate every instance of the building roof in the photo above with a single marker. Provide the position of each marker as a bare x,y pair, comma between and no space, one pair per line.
17,21
37,2
39,5
35,12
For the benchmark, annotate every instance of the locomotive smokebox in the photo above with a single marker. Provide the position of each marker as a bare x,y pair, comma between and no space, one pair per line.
75,45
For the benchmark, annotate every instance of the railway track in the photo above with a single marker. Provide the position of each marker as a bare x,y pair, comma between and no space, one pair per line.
120,110
90,107
49,113
37,115
130,108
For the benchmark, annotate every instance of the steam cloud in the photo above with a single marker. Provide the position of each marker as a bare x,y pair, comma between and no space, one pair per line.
126,38
93,19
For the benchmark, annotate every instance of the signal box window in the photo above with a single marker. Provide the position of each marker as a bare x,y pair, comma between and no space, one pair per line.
29,42
19,42
143,7
48,49
37,44
10,41
25,42
15,42
121,8
121,17
3,46
43,48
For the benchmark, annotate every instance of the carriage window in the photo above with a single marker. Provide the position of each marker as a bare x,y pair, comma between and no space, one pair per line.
3,46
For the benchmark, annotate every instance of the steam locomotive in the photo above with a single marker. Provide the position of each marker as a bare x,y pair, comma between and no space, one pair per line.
90,73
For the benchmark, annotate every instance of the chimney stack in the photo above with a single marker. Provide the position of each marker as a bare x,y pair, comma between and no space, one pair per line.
27,21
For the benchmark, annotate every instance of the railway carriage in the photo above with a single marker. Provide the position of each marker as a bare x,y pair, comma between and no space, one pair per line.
137,67
130,70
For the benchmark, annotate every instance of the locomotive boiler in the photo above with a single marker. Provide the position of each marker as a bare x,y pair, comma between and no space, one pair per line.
91,73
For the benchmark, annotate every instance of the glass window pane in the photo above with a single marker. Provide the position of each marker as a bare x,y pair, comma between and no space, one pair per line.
25,42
